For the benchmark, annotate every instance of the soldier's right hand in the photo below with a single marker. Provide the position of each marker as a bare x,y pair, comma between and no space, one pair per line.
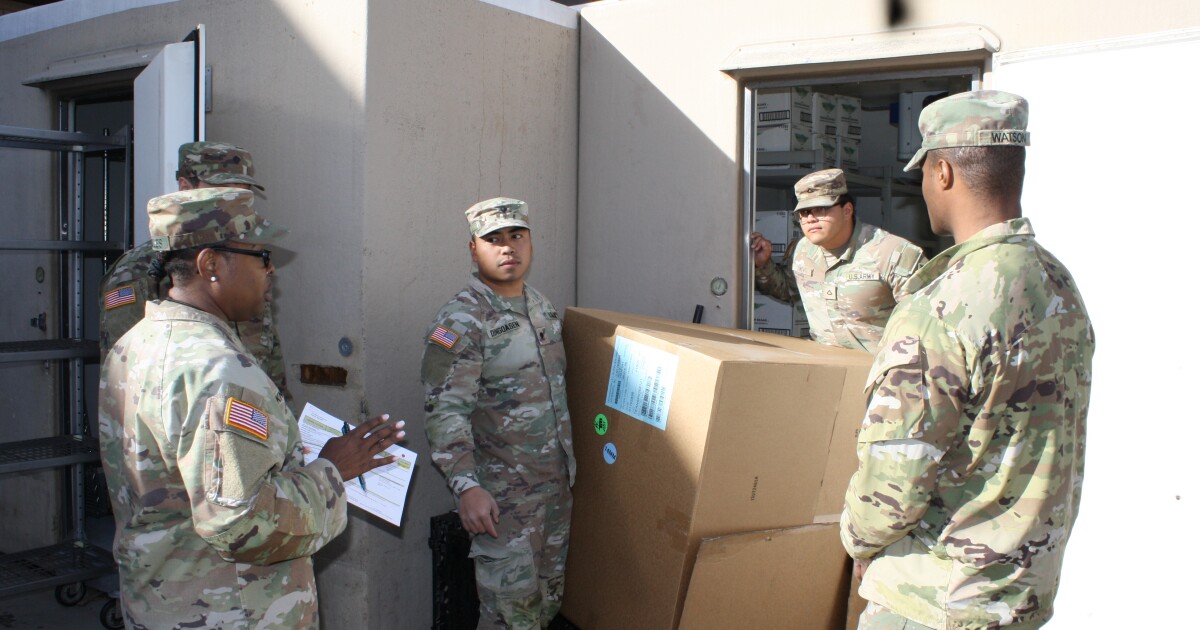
354,453
760,247
478,511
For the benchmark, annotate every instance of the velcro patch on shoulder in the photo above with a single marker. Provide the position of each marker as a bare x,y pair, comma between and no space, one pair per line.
909,260
444,337
120,296
247,418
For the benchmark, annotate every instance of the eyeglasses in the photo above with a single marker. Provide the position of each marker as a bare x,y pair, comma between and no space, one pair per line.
818,211
264,253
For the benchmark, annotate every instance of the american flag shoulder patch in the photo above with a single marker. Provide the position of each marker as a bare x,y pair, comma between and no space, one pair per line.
247,418
444,337
120,296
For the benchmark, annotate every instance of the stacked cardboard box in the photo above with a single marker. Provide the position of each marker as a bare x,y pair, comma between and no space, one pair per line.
773,219
799,119
712,468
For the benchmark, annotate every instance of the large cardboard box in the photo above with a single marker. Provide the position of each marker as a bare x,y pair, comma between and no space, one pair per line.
773,570
685,432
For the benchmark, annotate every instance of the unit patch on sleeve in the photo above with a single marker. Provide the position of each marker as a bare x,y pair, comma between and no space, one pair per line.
247,418
444,337
120,296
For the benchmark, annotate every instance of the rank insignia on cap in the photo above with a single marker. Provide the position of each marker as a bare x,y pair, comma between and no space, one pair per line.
444,337
120,296
246,418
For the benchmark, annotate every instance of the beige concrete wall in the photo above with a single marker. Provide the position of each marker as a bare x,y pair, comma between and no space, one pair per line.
660,128
373,127
465,101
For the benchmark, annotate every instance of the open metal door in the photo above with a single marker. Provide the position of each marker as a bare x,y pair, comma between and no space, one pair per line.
168,111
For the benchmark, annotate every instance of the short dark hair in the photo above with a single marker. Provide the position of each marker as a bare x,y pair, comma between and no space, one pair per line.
180,264
844,199
991,171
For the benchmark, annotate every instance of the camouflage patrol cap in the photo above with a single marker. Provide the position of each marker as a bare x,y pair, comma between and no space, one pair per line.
820,189
972,119
488,216
217,163
207,216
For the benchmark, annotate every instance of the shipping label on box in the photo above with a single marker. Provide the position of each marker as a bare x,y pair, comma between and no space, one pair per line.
641,381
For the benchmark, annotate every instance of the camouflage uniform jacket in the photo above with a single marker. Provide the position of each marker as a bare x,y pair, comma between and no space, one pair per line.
216,512
971,451
847,299
494,372
127,287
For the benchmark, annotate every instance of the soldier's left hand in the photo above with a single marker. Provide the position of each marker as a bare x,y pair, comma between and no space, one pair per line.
354,453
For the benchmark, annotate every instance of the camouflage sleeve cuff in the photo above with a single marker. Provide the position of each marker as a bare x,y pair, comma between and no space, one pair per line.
461,483
764,272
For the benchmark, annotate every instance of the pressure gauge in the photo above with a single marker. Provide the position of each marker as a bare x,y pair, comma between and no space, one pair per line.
718,286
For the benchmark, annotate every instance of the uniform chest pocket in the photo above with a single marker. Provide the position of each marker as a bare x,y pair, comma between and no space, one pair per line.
867,296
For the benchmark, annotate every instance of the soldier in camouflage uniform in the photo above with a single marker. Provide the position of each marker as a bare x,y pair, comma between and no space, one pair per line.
216,512
496,417
133,279
971,451
846,274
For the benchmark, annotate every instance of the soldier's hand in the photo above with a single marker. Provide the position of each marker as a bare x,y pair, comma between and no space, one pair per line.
478,511
860,568
354,453
760,247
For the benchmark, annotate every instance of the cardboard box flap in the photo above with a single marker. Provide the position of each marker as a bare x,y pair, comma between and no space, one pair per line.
784,578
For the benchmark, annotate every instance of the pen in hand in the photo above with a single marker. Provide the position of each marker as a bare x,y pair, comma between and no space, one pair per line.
362,483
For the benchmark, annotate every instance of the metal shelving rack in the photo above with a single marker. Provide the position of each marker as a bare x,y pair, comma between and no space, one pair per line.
75,559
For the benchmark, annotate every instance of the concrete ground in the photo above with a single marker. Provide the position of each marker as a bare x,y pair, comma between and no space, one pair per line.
38,610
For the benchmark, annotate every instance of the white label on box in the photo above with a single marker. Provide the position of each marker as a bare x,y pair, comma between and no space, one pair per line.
641,381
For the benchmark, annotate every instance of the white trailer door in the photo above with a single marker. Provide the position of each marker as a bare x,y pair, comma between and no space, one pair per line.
1108,188
167,112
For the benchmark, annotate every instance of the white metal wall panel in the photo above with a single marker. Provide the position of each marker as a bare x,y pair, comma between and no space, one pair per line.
1108,190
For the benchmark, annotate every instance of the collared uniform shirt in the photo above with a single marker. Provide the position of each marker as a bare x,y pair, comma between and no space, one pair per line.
216,512
494,373
848,298
971,452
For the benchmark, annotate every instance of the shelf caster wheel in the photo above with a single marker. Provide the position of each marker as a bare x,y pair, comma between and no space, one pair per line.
70,594
110,615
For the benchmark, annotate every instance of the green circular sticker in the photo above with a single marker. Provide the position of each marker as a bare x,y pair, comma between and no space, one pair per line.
601,424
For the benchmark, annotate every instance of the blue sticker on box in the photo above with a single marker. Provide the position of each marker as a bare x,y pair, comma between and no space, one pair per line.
610,453
641,381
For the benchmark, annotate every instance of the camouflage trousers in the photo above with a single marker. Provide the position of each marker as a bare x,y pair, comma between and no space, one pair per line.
519,574
876,617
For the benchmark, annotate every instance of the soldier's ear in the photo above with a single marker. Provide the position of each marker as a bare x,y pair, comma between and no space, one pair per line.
471,246
943,174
